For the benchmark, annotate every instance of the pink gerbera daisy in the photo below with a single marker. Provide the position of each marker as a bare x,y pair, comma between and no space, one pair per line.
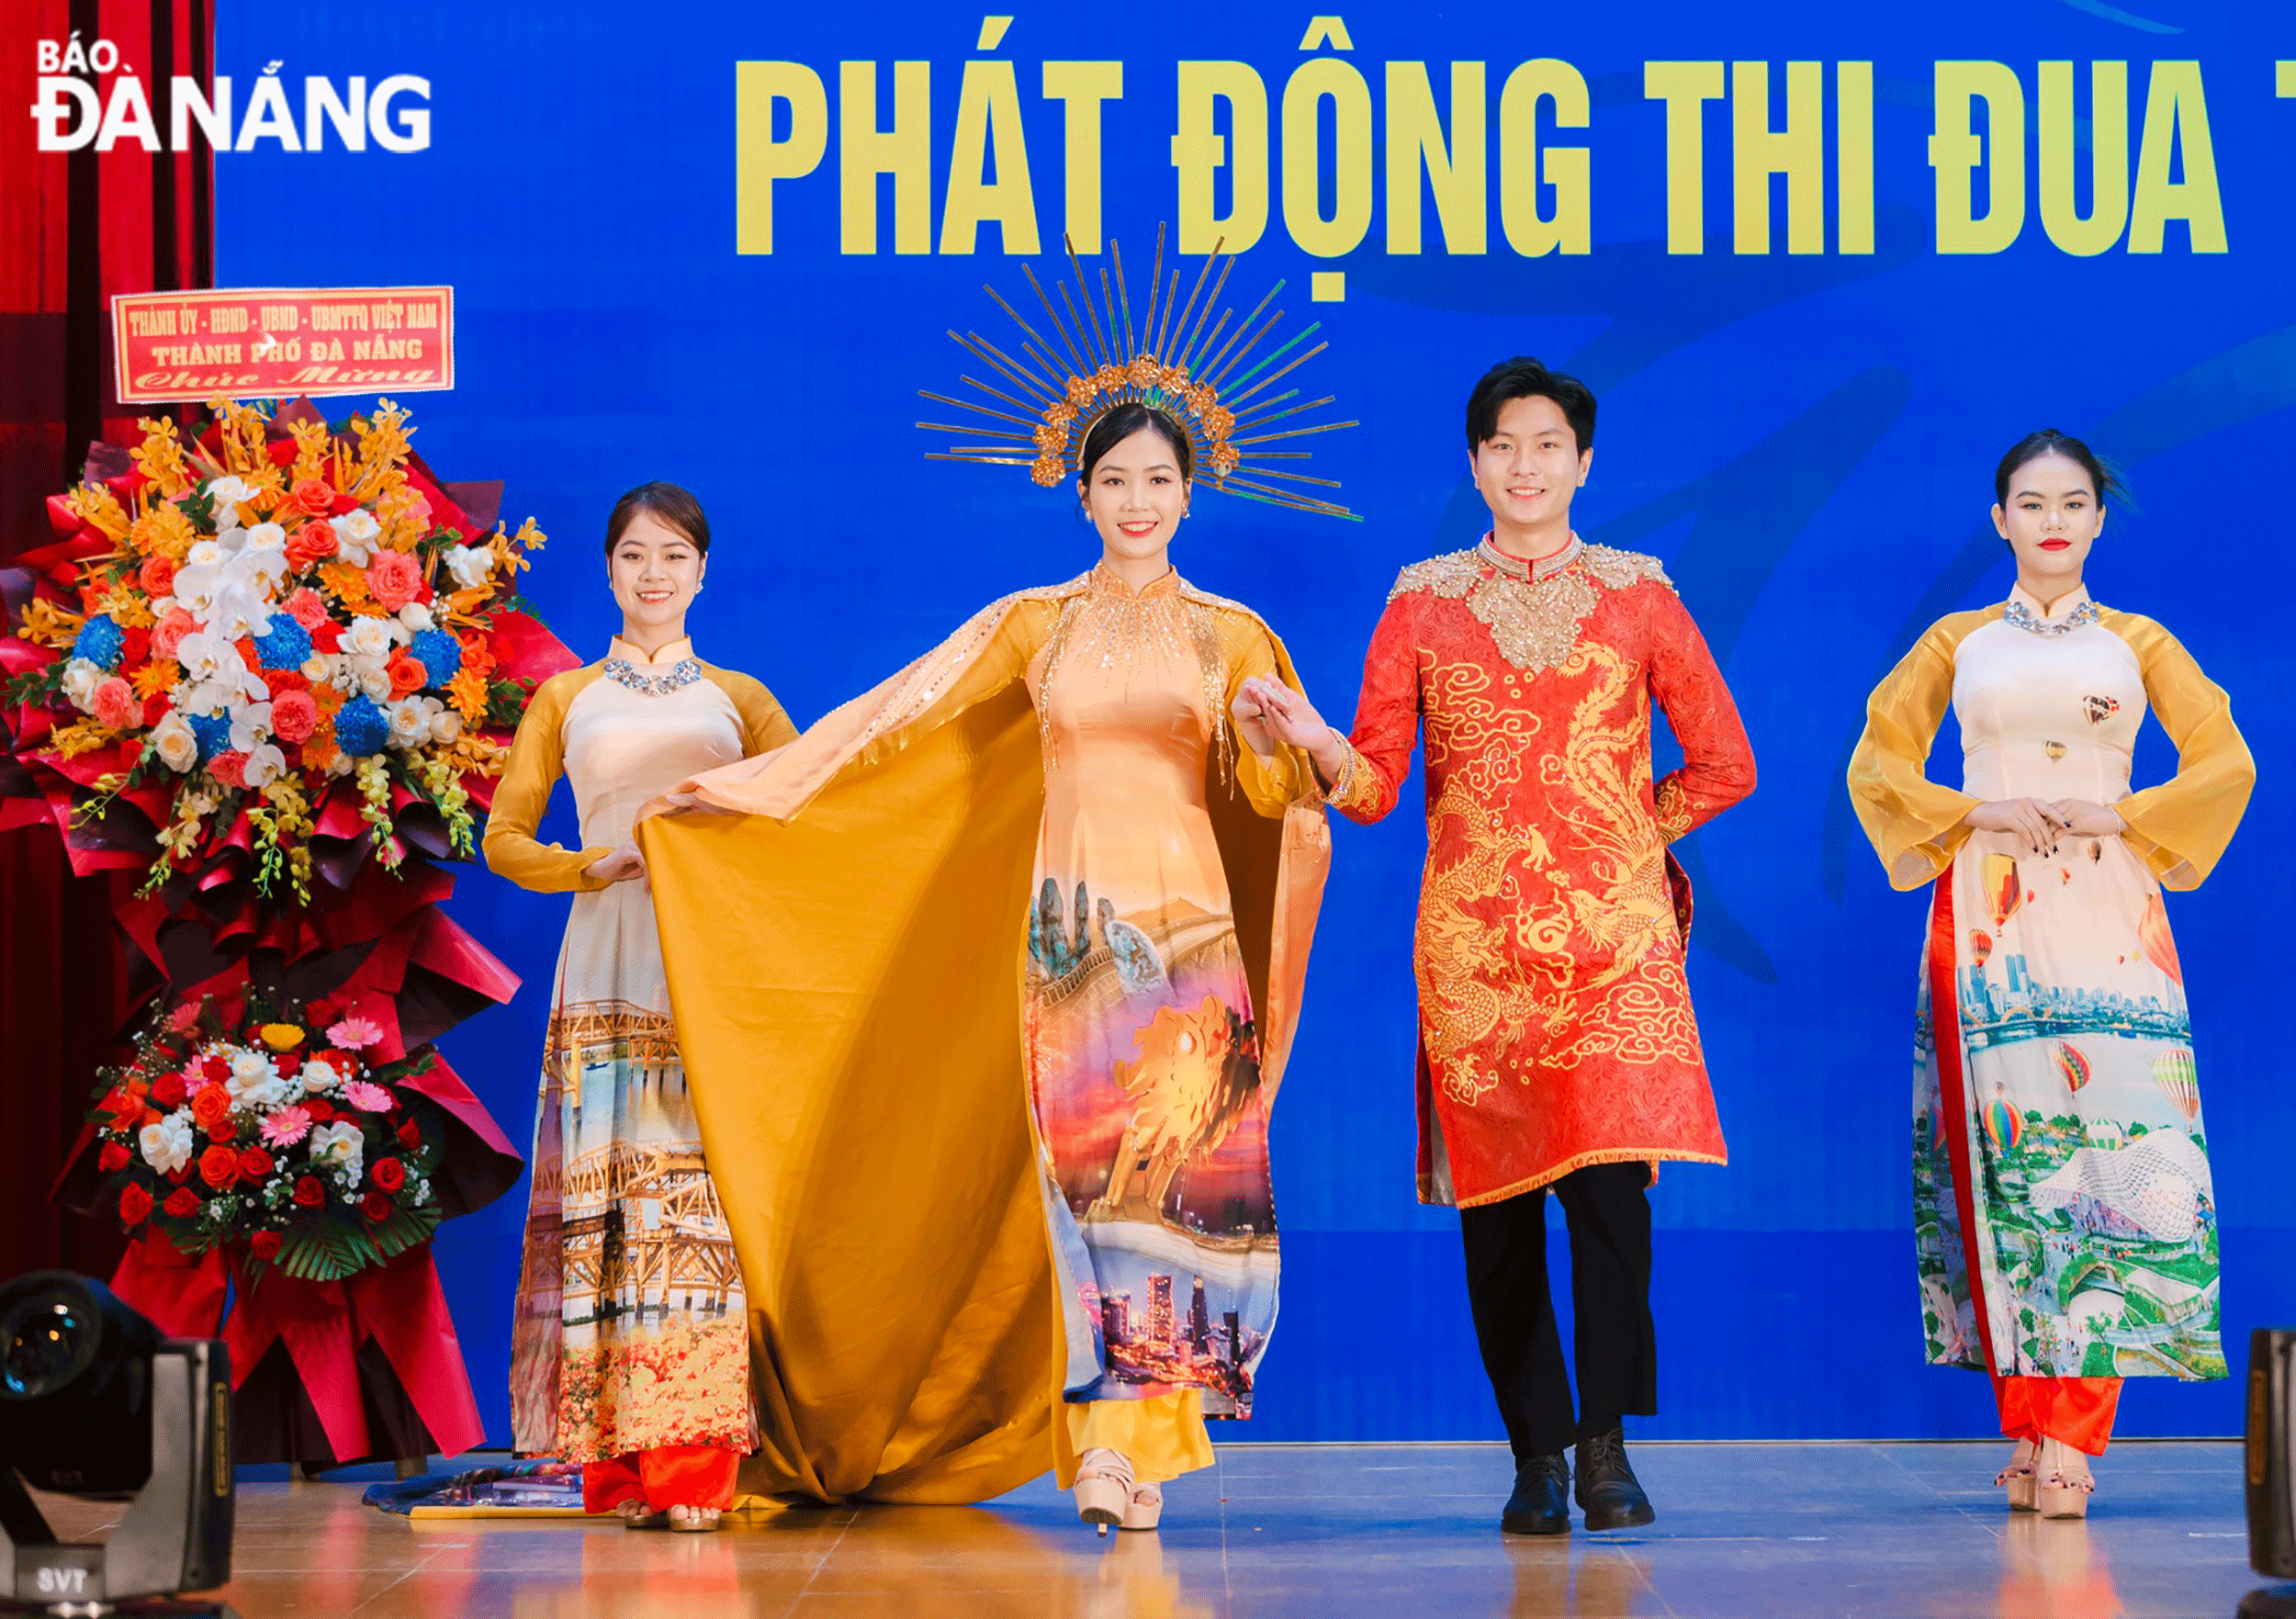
368,1097
286,1126
356,1034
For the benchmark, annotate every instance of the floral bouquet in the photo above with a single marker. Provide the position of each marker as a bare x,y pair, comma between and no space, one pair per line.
263,634
238,1123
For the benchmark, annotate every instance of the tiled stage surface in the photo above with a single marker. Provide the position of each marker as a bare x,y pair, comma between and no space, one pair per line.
1757,1530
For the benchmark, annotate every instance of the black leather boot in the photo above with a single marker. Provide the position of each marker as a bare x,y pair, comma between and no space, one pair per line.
1541,1502
1608,1491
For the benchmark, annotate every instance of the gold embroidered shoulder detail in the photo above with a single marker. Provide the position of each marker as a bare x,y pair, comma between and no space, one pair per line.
1451,574
1618,570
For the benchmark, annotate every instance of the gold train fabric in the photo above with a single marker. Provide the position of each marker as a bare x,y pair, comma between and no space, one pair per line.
849,951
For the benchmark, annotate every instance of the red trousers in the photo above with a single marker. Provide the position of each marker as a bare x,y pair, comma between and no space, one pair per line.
2072,1411
672,1476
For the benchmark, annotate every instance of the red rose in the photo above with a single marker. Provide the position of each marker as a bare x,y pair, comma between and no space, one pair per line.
135,646
308,1193
182,1203
281,450
263,1245
408,1136
319,1109
135,1205
215,1069
321,1012
113,1156
218,1166
157,576
345,503
375,1205
327,638
314,496
388,1174
221,1133
155,709
254,1164
167,1090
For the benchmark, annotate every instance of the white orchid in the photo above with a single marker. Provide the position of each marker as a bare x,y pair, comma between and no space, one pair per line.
265,764
251,727
341,1147
167,1144
469,566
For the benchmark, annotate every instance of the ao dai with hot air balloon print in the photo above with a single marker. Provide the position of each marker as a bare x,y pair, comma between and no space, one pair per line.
2066,1219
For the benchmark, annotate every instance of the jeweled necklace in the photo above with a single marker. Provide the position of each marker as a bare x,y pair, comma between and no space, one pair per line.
2024,618
684,672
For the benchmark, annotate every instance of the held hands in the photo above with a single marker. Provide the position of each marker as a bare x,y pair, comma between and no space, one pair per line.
2038,824
625,864
1268,712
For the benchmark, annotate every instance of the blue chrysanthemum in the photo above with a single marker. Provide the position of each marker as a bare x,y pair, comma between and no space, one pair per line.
286,645
362,727
99,642
214,732
439,653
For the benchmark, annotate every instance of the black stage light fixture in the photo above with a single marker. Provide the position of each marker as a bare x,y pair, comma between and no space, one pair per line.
2271,1462
94,1401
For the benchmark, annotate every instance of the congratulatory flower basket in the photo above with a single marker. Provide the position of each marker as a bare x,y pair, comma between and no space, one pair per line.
270,667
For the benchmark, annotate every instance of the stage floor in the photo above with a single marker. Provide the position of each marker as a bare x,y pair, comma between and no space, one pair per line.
1757,1530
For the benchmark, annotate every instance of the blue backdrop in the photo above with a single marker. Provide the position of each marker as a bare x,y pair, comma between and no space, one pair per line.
1805,438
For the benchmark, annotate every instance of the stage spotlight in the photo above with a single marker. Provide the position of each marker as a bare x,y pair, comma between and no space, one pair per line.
94,1401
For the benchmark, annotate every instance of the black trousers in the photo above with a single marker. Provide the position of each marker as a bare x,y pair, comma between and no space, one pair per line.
1607,1208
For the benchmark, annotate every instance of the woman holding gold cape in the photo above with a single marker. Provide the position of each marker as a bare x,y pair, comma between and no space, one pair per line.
984,988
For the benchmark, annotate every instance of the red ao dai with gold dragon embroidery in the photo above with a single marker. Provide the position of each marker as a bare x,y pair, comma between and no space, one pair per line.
1555,1023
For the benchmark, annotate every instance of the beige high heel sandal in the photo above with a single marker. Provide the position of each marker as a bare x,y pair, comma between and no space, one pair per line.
1104,1489
1146,1510
2021,1479
2066,1483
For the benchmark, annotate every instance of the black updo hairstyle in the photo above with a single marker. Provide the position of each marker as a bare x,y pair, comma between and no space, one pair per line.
665,503
2102,480
1522,379
1120,424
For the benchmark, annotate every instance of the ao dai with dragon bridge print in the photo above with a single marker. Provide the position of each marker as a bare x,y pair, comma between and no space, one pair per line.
1144,1054
2095,1236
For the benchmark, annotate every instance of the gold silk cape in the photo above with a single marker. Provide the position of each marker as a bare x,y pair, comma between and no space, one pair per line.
845,944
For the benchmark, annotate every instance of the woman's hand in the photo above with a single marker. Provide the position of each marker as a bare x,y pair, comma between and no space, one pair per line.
2035,825
2083,819
1252,714
1291,719
625,864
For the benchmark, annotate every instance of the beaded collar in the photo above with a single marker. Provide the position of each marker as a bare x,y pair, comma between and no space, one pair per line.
2026,619
1517,567
625,673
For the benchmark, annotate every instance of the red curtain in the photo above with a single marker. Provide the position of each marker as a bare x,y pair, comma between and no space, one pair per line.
75,228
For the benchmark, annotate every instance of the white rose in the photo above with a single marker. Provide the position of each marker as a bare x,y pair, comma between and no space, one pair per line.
415,617
446,725
319,669
247,1066
373,680
203,554
342,764
80,677
265,764
342,1146
166,1145
410,721
266,537
469,566
230,492
172,740
370,637
318,1077
357,525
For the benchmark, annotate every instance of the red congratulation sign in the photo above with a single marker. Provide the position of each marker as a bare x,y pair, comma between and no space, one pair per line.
277,343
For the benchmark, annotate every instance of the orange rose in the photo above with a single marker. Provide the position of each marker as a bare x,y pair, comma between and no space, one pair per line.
395,579
405,673
157,576
313,542
313,496
218,1166
212,1106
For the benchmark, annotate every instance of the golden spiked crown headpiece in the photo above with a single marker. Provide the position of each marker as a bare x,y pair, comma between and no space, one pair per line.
1101,360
